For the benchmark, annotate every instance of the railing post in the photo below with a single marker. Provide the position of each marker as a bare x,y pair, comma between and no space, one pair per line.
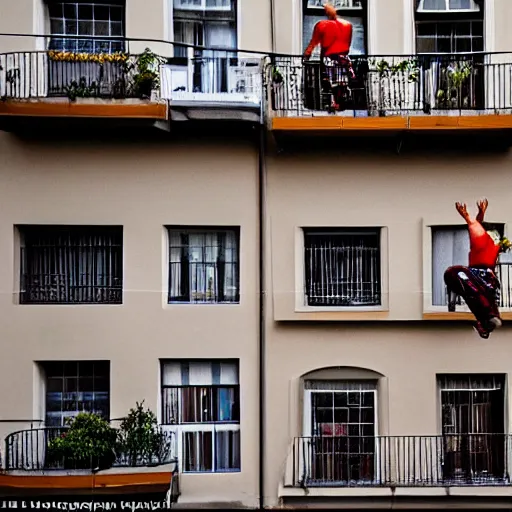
7,460
190,69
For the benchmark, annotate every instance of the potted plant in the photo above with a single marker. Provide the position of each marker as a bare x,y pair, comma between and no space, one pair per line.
455,77
89,442
146,77
142,441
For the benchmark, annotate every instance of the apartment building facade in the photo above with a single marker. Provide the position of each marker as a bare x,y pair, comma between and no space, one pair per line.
265,274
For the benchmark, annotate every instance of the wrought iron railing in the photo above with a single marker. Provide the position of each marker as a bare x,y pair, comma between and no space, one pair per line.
380,85
402,461
30,450
181,72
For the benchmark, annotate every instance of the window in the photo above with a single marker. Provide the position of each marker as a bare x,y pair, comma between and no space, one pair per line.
473,426
202,400
71,265
89,19
450,246
342,267
449,26
204,265
340,418
76,386
354,11
208,23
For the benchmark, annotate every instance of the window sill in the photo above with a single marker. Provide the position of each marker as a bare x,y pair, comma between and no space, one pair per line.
339,309
458,316
223,472
182,303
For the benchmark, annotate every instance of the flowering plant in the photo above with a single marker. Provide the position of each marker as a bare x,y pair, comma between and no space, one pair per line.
505,244
99,58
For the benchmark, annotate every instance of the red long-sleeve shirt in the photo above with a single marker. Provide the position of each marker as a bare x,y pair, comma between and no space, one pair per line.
334,36
483,251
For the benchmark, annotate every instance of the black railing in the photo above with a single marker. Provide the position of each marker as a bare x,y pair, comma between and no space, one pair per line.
30,450
407,461
178,71
386,84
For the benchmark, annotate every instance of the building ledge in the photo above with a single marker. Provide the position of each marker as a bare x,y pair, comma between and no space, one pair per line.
393,123
459,316
85,107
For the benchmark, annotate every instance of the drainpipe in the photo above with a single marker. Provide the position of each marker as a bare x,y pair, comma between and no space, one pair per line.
262,302
272,27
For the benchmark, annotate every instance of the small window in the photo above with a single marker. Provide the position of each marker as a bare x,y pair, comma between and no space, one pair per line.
447,5
71,265
76,386
204,265
342,267
201,400
100,20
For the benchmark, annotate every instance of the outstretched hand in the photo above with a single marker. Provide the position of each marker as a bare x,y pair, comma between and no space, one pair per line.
482,207
462,209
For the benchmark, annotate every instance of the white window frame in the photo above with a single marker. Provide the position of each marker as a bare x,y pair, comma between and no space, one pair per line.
180,430
201,7
447,9
339,6
306,423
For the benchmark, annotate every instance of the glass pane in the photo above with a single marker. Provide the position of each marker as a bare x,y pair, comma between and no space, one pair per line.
70,11
101,28
57,26
101,13
54,384
196,405
434,5
197,451
116,29
227,451
85,28
226,406
85,12
116,13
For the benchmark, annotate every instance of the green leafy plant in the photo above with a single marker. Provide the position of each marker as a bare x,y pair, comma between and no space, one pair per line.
455,78
89,442
142,441
81,89
146,77
405,68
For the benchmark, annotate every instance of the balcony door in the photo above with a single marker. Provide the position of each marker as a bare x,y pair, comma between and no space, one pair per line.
339,432
473,427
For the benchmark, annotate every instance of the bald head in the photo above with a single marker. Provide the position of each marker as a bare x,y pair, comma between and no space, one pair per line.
330,11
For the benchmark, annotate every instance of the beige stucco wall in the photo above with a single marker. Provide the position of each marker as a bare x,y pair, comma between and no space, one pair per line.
398,191
142,186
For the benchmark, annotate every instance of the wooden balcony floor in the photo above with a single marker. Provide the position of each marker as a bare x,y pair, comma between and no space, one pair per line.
394,123
90,107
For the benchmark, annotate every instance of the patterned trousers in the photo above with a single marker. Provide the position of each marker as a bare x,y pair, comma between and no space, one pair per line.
479,287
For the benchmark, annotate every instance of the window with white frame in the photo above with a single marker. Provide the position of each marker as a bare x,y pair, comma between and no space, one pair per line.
204,265
340,429
342,267
73,387
207,23
354,11
450,246
100,20
449,26
201,402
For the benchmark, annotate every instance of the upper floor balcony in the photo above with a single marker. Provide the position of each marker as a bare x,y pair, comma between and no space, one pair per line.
130,80
441,92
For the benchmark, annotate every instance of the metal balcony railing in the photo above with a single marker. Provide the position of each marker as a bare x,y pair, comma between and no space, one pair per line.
386,85
30,450
402,461
140,69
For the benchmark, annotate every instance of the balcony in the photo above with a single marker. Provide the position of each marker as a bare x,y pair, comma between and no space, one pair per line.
422,93
467,464
57,84
30,466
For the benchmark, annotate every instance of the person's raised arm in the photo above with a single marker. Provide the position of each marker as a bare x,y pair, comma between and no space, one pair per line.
315,41
482,208
463,212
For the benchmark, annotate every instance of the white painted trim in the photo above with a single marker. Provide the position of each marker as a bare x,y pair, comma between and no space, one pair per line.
490,26
372,24
409,47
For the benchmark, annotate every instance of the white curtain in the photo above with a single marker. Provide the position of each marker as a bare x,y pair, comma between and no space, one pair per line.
450,246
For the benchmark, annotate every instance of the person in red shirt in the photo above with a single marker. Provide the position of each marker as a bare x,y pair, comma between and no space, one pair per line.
334,35
477,284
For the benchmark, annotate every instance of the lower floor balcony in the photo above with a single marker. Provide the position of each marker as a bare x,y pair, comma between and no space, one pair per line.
448,460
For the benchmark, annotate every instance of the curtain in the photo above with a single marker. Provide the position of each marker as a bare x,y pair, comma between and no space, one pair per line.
450,246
